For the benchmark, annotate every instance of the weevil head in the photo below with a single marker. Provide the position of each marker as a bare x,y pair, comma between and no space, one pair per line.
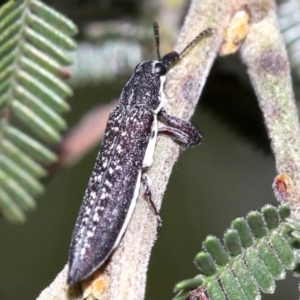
145,87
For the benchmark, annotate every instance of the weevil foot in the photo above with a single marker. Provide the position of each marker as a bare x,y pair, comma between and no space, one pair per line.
179,130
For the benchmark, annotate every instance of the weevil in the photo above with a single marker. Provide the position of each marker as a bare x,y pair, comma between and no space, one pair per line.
127,151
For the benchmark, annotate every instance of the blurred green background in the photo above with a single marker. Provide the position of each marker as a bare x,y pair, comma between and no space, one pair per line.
227,176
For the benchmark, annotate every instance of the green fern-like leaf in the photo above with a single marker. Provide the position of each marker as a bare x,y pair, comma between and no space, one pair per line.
34,41
257,251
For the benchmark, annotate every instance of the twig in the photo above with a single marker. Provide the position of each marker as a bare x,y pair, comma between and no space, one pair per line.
265,56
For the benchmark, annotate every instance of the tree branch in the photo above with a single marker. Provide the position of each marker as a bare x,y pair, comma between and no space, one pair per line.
265,56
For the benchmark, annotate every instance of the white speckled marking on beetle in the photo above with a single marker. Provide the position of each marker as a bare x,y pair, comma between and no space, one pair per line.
127,149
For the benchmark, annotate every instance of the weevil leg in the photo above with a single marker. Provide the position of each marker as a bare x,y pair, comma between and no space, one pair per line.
147,187
179,129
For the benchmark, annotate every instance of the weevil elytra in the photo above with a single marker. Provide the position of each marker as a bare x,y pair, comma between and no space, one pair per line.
127,150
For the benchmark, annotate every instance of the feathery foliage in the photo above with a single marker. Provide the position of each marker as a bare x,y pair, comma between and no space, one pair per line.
258,250
104,61
34,40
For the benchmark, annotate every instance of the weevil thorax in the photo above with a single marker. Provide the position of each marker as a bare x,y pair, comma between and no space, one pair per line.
144,88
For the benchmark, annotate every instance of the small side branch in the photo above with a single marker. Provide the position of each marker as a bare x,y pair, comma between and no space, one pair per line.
265,56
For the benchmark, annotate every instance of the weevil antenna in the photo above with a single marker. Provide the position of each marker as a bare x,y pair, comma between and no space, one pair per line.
156,35
173,56
194,41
